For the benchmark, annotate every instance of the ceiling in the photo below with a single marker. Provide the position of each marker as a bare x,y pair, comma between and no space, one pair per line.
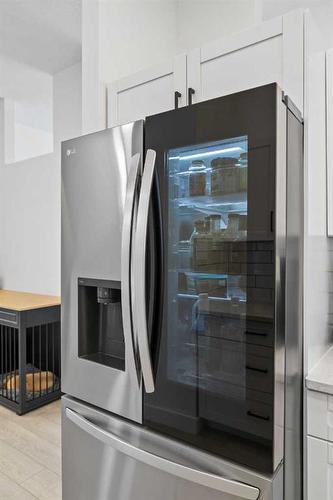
45,34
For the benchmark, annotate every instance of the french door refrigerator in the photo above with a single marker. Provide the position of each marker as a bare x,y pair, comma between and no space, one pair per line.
181,304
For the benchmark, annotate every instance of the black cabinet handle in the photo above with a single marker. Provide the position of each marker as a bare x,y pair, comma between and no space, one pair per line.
177,97
254,369
255,333
256,415
191,92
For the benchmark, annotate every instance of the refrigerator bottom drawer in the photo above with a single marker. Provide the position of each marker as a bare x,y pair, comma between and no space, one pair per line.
107,458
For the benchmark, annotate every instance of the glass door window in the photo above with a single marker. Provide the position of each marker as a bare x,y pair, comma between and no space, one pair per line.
214,357
207,277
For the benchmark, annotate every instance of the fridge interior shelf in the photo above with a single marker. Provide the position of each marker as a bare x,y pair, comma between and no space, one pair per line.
194,296
232,202
227,307
202,276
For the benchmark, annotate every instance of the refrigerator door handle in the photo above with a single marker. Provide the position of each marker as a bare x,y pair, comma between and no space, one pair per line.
126,251
139,271
219,483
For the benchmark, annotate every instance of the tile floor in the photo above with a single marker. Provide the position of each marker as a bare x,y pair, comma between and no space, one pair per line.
30,454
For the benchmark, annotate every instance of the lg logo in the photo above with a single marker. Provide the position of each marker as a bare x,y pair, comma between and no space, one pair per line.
70,152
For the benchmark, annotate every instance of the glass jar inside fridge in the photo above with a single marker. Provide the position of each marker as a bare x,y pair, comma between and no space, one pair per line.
184,254
200,243
199,178
200,312
224,178
232,231
242,171
213,223
182,185
218,254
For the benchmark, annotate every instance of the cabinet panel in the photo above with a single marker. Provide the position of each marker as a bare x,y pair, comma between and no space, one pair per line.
329,142
240,70
270,52
320,415
148,92
241,61
320,469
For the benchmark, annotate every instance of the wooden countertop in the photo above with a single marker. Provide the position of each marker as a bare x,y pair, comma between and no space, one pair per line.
23,301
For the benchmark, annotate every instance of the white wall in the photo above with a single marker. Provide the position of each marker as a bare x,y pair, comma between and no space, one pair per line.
29,225
321,11
93,94
134,34
67,104
29,110
318,248
200,22
30,201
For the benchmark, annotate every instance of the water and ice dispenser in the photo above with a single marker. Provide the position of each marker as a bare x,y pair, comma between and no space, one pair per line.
100,327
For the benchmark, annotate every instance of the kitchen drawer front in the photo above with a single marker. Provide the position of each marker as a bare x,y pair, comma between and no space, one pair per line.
8,317
243,365
253,414
229,328
259,368
320,469
259,333
320,415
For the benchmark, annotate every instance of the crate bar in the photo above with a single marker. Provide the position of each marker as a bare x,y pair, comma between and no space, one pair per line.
6,362
40,360
33,360
22,362
2,361
47,356
53,374
9,340
59,353
14,356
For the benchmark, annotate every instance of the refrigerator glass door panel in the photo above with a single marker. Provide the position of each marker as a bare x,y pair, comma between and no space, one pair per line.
214,352
99,192
107,458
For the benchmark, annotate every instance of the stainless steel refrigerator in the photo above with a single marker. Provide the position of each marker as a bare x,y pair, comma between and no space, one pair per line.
181,304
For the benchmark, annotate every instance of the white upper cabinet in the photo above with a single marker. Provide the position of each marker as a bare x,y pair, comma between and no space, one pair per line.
148,92
329,141
242,61
270,52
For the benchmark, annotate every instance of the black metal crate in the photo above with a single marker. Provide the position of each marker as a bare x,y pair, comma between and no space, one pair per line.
30,371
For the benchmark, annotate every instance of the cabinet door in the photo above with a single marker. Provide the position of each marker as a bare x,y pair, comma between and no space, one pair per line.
329,100
148,92
320,469
320,415
271,52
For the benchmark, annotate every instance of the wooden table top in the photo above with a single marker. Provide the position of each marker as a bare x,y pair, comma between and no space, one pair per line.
23,301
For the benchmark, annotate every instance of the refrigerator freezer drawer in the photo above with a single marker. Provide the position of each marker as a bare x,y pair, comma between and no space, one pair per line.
106,458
